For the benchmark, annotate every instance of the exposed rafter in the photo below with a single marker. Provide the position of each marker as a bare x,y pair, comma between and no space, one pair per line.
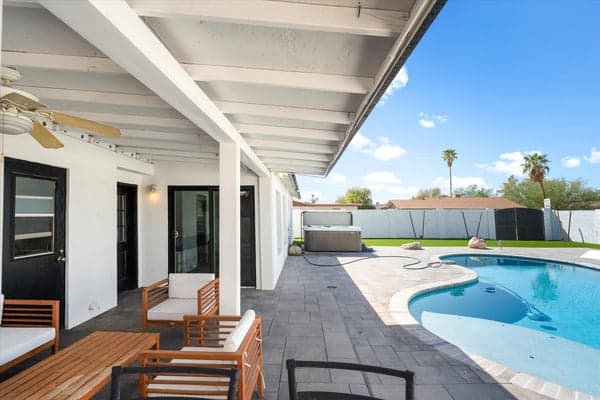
149,144
137,120
201,73
191,137
290,155
282,132
295,113
295,146
117,31
175,153
296,163
315,17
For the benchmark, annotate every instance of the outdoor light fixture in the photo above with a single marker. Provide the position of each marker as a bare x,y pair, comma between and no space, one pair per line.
152,189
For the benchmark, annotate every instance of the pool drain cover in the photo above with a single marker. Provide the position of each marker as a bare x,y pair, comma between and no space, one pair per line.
331,287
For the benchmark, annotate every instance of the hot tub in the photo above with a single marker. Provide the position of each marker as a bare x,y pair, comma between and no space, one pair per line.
332,238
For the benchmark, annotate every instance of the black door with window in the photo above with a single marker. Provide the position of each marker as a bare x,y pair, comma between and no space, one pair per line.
33,254
194,231
127,257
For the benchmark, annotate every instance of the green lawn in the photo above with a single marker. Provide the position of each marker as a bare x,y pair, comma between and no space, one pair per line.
463,243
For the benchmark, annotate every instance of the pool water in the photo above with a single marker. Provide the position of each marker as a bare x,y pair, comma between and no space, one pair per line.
526,313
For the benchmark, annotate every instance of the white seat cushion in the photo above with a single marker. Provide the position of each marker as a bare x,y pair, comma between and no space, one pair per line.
186,286
173,310
236,337
16,341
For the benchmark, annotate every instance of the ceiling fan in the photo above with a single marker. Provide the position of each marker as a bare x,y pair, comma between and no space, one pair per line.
22,112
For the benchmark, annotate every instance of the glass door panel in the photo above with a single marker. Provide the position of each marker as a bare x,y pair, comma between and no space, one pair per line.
192,233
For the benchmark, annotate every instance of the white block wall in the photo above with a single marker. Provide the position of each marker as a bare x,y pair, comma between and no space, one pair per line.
585,226
439,224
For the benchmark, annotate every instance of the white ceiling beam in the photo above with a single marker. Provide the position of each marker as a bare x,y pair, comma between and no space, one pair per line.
148,144
297,170
141,120
201,73
117,31
287,15
295,113
289,155
96,97
288,79
295,146
191,137
174,153
155,157
295,163
279,132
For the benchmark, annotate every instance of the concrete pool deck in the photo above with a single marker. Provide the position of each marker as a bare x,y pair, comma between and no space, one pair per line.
388,287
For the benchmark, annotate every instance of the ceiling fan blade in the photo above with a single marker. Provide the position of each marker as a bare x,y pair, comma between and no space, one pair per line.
45,137
85,124
21,101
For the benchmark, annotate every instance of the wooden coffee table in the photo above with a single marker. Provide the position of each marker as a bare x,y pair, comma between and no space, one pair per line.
80,370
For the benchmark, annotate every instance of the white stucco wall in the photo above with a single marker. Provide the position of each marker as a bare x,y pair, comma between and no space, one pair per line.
154,211
92,174
584,226
439,224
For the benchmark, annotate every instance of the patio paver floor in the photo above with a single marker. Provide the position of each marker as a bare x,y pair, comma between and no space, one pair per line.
338,313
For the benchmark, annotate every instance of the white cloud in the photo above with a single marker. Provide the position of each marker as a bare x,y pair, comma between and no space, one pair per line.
594,157
381,177
334,178
431,120
385,185
400,81
508,163
459,181
382,150
571,162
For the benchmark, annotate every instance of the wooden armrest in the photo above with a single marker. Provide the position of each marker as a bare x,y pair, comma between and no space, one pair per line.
155,294
207,330
208,298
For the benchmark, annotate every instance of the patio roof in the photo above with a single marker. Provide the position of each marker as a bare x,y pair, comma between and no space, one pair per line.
290,81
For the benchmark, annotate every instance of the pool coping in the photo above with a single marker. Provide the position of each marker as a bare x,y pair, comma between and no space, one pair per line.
399,309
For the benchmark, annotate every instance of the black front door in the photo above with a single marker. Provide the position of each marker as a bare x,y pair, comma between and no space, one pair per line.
127,266
33,254
194,231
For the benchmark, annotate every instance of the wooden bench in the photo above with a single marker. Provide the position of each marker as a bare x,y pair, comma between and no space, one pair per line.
80,370
205,340
18,317
164,304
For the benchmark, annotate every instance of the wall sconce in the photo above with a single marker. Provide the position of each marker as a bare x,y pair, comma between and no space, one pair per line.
151,189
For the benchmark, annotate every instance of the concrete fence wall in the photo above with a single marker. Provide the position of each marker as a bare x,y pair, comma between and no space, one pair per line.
433,224
577,226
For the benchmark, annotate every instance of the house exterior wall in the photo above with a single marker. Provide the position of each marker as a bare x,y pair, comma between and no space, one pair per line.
92,174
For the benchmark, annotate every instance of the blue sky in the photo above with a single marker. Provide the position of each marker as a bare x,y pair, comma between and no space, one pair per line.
493,80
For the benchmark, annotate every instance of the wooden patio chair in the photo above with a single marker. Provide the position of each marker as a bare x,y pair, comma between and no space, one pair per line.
185,378
226,342
27,327
167,301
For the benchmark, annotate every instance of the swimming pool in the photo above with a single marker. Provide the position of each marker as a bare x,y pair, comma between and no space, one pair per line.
537,316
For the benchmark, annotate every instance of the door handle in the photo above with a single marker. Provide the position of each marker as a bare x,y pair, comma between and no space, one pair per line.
61,257
175,234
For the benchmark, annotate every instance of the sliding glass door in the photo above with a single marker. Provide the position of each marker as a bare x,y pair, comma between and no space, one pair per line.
194,231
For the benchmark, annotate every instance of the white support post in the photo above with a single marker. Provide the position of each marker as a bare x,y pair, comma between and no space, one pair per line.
267,231
229,229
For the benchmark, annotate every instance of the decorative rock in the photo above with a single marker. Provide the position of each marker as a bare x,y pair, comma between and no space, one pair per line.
295,250
412,246
477,243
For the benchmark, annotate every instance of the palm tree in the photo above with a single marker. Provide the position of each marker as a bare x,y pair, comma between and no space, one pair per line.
536,166
449,155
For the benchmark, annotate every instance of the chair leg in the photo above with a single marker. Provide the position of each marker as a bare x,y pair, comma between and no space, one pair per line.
260,385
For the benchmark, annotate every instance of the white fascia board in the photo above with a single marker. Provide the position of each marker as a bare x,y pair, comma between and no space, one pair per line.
295,113
280,14
274,132
116,30
419,14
